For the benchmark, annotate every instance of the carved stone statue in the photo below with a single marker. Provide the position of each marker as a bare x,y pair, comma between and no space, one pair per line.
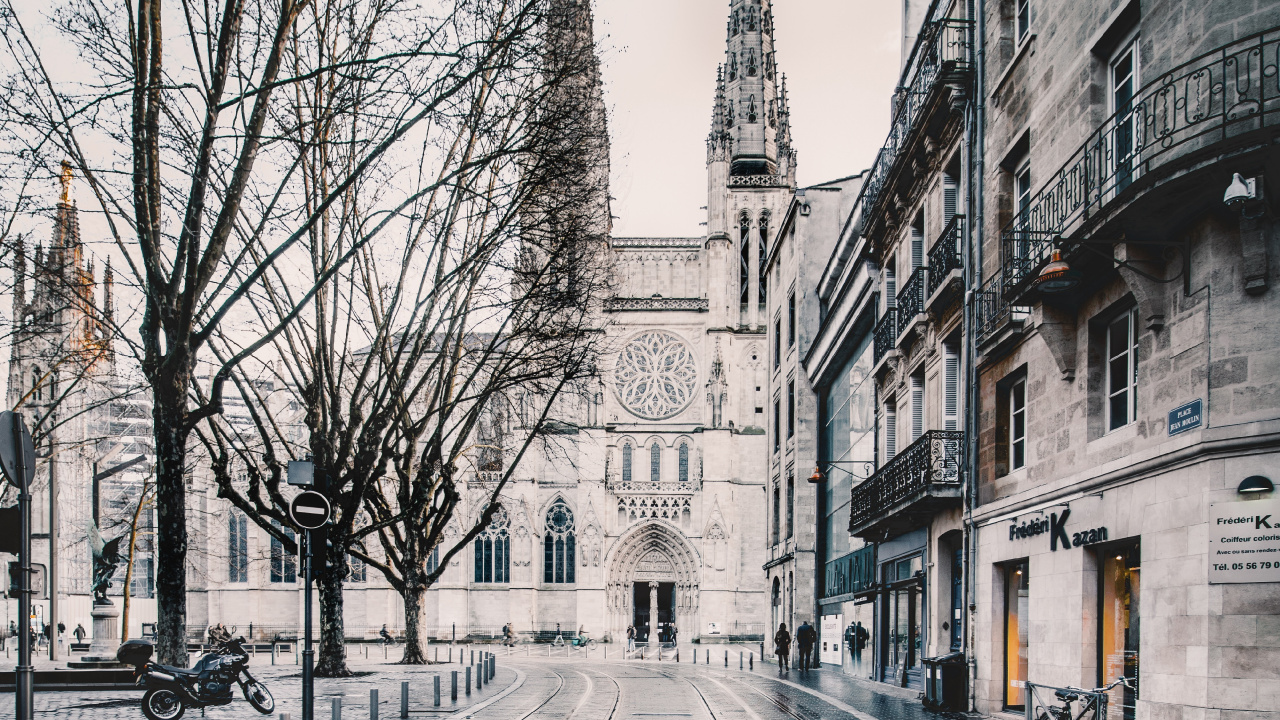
106,558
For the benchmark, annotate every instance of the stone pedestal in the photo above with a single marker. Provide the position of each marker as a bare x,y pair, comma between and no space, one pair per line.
106,637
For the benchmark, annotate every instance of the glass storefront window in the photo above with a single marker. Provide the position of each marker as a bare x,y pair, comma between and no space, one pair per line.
903,622
1017,583
1118,585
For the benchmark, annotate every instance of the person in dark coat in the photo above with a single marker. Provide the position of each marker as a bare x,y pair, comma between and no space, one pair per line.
782,646
806,636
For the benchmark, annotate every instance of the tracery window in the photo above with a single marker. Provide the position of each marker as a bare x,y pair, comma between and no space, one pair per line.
237,547
558,545
684,462
744,269
751,108
764,254
284,564
626,462
751,62
655,462
733,66
493,550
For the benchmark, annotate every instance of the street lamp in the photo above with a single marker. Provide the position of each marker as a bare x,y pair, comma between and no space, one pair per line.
868,468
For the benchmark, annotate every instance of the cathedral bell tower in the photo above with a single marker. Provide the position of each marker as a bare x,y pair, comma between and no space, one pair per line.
750,165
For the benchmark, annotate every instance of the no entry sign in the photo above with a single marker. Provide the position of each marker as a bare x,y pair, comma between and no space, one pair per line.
310,510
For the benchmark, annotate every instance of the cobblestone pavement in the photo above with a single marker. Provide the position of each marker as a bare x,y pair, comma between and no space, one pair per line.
537,683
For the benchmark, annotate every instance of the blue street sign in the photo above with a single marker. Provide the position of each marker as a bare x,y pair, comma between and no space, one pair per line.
1186,417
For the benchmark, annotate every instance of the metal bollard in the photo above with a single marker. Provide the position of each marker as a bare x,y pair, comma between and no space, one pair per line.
677,654
708,656
473,657
479,677
404,698
336,709
437,653
726,658
453,693
751,661
468,682
659,653
273,653
437,691
739,659
373,704
284,716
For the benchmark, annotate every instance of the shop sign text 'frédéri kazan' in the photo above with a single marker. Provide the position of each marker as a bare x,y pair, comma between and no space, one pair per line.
1056,527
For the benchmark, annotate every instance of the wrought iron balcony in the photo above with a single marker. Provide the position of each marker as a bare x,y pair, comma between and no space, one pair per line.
919,481
1215,97
886,334
943,51
995,319
945,255
911,299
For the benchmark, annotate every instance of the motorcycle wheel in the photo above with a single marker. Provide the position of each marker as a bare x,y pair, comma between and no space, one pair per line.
259,697
162,704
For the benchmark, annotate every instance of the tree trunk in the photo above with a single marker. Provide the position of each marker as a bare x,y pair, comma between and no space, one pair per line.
170,416
415,592
333,646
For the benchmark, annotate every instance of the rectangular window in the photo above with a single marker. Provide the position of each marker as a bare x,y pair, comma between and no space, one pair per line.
1122,370
237,548
1124,81
777,425
284,564
1018,425
950,387
1118,592
791,408
791,506
1023,19
791,319
1022,198
1016,627
777,344
777,512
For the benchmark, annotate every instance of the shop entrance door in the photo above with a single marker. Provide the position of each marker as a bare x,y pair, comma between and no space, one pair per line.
1118,591
901,649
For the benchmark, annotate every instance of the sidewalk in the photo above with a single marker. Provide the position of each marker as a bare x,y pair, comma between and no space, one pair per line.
882,701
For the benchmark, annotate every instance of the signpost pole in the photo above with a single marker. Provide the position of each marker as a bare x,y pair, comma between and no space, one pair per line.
25,673
308,655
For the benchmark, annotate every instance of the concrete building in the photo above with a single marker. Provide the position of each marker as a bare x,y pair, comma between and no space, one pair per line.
1126,343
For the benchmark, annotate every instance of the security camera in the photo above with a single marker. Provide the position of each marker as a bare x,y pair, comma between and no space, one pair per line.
1240,190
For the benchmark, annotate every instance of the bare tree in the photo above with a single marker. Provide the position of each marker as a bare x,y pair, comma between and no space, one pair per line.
197,152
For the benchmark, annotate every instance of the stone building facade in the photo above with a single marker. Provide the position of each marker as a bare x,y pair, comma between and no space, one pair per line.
1126,346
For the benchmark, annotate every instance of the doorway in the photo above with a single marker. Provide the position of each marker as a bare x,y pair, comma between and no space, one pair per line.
654,610
902,623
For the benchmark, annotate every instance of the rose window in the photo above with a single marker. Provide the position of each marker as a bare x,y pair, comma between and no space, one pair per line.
656,375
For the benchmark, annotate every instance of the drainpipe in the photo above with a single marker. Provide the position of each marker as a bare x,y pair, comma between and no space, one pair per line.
974,144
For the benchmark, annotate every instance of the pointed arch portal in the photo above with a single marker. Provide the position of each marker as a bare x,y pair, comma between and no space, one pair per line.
653,583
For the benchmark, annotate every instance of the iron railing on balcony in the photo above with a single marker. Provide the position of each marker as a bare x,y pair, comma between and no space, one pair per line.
1214,97
886,334
945,47
911,298
945,255
934,460
992,310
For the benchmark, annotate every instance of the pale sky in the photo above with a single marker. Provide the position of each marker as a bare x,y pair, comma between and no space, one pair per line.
841,59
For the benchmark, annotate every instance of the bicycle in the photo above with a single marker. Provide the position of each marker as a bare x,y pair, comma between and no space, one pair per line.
1069,695
387,640
583,642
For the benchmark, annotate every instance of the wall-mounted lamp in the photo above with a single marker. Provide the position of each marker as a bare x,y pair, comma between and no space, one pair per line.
868,467
1255,484
1057,276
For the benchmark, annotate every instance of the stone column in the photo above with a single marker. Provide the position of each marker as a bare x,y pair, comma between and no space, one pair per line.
653,612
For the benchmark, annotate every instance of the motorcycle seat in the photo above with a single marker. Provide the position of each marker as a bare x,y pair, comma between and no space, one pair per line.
178,671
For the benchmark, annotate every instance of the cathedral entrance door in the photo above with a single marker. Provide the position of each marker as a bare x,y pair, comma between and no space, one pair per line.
640,620
654,604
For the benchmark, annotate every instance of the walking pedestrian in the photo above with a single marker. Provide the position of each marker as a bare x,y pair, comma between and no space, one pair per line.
806,636
631,638
675,632
79,633
782,646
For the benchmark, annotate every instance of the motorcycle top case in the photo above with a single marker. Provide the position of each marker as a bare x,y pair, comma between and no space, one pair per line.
135,652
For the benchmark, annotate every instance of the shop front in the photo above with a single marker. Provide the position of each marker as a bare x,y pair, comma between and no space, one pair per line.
848,613
902,623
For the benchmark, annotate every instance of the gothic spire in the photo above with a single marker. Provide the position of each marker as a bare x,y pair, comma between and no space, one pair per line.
751,104
718,141
19,278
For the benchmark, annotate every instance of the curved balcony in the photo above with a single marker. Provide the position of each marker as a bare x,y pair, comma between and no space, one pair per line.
884,336
919,481
1179,124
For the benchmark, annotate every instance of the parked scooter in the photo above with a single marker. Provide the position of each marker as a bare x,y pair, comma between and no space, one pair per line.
171,690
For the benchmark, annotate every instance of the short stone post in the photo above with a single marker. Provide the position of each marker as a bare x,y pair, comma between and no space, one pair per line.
437,690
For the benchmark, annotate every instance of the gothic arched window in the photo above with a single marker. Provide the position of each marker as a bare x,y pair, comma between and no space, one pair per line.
626,462
735,22
558,545
751,62
733,66
684,462
493,550
36,392
764,254
655,461
751,109
730,113
744,251
751,19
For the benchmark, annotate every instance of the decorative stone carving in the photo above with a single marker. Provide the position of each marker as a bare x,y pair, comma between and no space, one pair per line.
656,375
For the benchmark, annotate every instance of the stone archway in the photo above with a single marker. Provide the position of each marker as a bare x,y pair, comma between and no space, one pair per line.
651,555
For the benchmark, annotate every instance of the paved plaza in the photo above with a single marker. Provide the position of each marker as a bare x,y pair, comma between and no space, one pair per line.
545,682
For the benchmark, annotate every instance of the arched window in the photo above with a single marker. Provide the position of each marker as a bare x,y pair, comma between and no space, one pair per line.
744,251
493,550
626,462
733,66
684,462
35,384
655,461
558,545
751,108
751,62
764,255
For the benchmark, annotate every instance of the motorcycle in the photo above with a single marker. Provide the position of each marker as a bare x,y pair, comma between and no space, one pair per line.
171,690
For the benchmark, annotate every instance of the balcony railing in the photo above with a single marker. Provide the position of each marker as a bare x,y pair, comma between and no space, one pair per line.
945,47
945,255
911,298
1214,97
929,466
992,311
886,334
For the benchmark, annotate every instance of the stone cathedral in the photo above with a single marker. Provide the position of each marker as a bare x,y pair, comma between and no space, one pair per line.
654,515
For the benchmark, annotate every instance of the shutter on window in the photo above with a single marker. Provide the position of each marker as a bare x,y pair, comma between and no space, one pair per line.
950,198
890,432
890,289
951,390
917,247
917,407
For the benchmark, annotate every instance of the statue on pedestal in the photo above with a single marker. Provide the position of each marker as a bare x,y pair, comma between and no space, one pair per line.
106,558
